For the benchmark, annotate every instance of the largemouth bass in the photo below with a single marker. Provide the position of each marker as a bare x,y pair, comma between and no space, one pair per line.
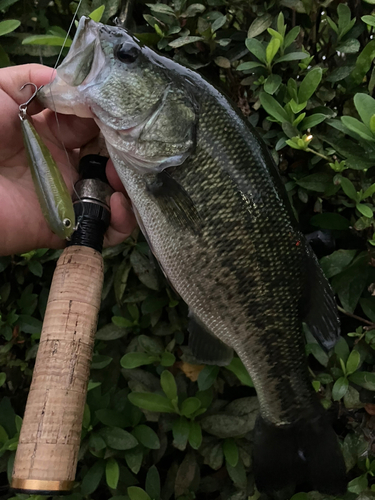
211,204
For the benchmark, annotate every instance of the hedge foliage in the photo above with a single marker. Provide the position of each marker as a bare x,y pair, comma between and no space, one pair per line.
157,425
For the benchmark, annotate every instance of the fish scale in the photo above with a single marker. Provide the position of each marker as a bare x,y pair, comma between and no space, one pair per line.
234,241
212,206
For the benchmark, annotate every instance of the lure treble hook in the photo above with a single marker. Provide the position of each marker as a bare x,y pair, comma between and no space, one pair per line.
23,107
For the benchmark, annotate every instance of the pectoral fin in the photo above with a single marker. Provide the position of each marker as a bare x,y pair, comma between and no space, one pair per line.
175,202
207,348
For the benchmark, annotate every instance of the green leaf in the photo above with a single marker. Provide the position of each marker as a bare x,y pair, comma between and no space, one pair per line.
273,108
353,362
151,402
161,8
344,14
237,474
259,25
136,493
147,437
218,23
118,439
336,262
4,4
317,352
35,267
134,359
168,384
365,106
180,431
237,367
134,458
358,484
112,418
99,361
370,20
92,478
364,210
368,306
207,377
291,36
111,332
184,40
315,182
122,322
348,188
97,14
193,10
144,269
53,40
195,435
167,359
152,346
350,46
309,84
340,388
276,34
112,470
332,24
272,49
272,83
190,406
8,26
297,107
292,56
28,324
230,450
249,65
363,62
3,378
372,124
3,435
330,221
256,48
312,121
350,284
364,379
153,483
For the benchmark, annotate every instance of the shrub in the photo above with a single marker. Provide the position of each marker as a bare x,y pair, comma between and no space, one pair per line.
156,424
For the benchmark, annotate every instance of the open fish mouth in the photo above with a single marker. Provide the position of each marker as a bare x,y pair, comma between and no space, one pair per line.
83,63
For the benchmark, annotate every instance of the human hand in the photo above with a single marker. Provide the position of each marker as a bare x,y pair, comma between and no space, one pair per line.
22,225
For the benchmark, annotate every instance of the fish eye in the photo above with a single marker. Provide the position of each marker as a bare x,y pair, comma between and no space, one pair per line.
67,223
127,53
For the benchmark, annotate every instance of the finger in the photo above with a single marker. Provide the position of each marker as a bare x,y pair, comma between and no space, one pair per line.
69,130
12,79
113,178
123,221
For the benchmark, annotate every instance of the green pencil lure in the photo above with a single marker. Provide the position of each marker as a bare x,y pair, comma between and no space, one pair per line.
53,195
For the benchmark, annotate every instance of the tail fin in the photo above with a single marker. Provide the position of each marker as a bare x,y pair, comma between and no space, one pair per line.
307,452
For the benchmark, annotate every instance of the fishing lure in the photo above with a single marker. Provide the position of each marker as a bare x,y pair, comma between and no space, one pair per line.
53,195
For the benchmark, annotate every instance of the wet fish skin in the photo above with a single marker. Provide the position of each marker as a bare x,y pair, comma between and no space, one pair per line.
211,204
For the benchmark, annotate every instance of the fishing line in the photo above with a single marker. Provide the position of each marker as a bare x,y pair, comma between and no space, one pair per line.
56,114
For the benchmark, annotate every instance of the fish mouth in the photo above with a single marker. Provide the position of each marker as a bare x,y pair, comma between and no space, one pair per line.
85,58
78,64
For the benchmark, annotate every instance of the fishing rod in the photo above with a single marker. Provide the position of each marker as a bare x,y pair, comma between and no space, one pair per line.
47,453
49,442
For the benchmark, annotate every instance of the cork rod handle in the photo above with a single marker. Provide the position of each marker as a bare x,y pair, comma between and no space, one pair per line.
47,452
